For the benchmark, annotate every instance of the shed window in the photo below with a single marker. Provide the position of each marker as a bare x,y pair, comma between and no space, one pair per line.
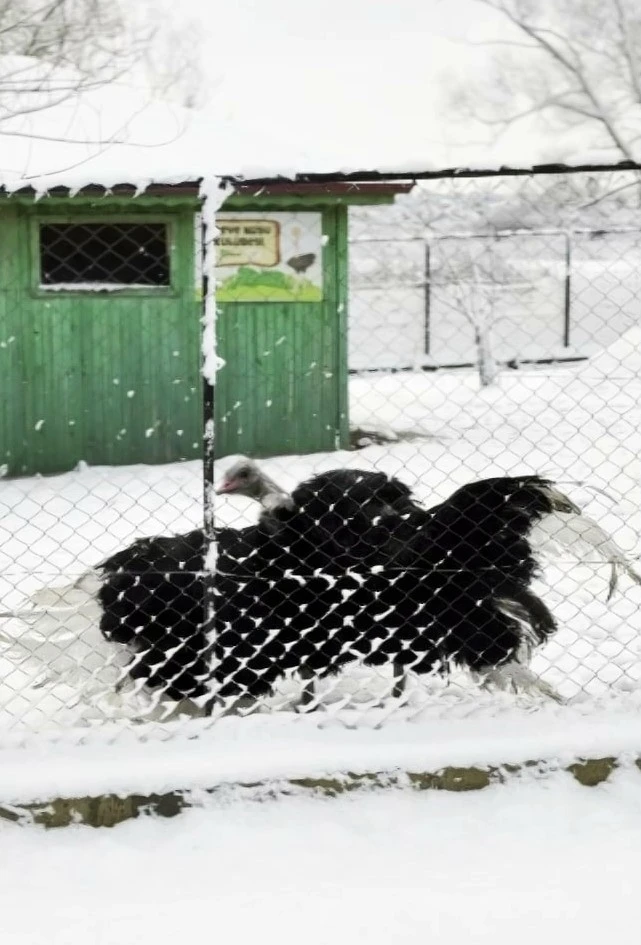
107,255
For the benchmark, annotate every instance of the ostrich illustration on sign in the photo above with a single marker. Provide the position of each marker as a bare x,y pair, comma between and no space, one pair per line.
269,257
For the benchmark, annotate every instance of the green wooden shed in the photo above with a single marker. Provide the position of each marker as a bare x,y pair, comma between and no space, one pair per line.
100,323
99,329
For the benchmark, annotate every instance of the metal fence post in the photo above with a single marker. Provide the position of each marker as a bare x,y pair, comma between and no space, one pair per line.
428,296
566,297
208,457
208,409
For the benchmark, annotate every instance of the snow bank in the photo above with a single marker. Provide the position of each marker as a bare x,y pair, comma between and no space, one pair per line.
284,746
545,862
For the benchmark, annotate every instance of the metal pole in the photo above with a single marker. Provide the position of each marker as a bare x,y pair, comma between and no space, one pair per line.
566,301
208,409
208,401
428,295
208,459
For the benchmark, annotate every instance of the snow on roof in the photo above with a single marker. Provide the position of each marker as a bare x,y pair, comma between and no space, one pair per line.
119,135
106,136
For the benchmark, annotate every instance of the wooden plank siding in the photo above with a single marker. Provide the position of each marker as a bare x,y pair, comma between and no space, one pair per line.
106,377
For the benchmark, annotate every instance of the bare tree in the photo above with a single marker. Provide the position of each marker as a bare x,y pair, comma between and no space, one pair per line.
578,62
51,51
468,282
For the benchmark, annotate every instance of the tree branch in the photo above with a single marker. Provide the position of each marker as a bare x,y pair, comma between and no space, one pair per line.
575,66
632,64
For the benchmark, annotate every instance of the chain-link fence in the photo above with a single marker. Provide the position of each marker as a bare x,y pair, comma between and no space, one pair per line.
541,296
440,516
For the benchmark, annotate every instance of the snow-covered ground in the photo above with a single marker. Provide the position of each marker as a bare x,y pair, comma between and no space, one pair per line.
580,426
533,861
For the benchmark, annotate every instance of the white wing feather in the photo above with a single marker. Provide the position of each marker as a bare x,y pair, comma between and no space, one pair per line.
579,535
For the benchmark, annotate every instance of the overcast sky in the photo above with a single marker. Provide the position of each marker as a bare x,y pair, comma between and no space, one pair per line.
373,54
344,83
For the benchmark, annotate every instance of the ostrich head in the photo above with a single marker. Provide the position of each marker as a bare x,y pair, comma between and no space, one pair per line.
246,478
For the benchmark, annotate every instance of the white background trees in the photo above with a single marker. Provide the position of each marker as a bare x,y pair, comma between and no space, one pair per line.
54,50
576,62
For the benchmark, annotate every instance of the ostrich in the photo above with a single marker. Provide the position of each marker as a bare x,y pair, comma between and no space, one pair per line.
346,567
343,522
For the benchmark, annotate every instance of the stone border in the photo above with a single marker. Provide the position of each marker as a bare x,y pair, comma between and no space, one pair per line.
108,810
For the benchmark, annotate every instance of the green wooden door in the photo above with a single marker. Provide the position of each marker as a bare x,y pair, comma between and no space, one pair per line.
106,377
283,387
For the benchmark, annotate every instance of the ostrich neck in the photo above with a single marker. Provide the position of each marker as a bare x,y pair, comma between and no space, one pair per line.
269,490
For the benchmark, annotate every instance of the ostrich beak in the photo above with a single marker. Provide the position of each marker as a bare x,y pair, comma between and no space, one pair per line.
227,486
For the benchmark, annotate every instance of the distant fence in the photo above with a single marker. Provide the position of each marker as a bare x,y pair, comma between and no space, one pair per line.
555,295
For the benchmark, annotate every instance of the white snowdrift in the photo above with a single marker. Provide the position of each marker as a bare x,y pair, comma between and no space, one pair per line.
546,861
193,755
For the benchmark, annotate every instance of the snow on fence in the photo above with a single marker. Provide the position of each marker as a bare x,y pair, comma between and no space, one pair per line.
476,556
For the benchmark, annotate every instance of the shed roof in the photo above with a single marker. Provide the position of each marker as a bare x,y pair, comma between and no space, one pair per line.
115,136
330,186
